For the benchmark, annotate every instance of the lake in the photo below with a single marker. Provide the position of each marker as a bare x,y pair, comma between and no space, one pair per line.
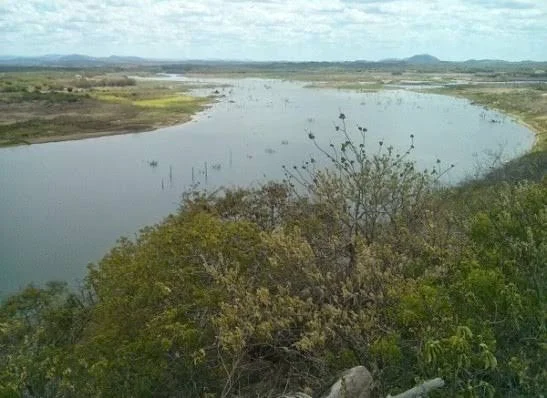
64,204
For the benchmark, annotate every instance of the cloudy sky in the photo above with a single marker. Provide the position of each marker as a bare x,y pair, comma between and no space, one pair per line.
276,29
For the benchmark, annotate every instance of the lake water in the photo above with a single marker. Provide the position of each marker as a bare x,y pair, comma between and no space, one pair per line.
63,205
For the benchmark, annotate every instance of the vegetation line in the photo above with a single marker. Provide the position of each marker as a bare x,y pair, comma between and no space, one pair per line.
98,134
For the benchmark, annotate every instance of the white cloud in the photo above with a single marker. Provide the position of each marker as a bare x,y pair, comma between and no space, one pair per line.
277,29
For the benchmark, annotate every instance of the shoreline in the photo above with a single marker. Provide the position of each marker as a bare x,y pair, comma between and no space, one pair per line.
98,134
536,146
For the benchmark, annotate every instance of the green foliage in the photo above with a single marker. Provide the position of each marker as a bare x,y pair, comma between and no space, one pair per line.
511,247
37,328
152,321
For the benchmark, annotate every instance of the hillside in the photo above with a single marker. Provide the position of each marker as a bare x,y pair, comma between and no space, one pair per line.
422,59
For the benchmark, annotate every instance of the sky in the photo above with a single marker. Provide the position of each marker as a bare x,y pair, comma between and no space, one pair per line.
293,30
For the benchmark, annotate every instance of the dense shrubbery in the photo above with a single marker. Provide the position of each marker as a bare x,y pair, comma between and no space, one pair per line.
256,292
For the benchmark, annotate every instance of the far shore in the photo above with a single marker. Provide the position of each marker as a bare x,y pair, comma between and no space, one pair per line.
84,136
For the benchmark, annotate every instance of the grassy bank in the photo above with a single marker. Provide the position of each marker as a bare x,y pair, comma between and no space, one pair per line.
44,106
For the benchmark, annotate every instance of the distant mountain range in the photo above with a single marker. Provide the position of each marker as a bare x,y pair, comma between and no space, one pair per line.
74,60
84,61
427,59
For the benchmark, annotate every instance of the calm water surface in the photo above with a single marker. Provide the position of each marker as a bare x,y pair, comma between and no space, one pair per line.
63,205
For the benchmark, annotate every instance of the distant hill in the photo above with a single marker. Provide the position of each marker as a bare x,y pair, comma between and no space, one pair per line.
72,60
418,59
422,59
489,63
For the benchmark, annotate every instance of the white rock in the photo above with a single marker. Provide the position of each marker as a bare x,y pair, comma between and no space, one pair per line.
354,383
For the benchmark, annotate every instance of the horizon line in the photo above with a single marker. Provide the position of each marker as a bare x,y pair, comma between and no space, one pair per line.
144,58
